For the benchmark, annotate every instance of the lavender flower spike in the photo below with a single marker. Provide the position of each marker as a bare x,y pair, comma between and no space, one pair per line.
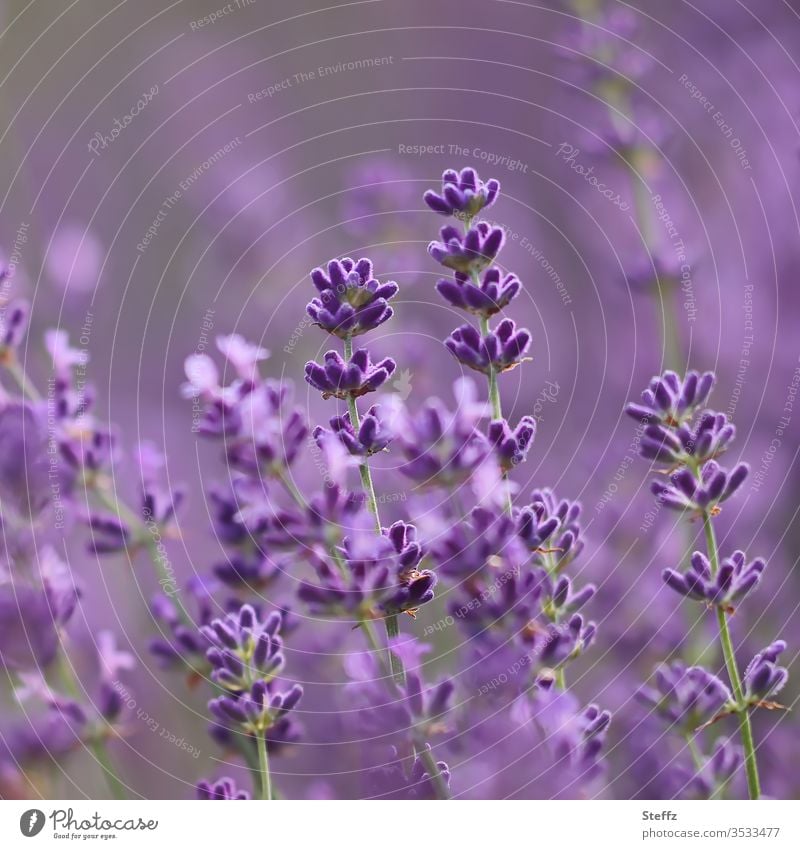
471,253
462,194
224,789
374,434
340,379
672,401
733,581
709,438
351,300
499,350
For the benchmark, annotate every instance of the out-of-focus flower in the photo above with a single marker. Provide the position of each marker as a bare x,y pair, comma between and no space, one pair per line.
686,697
222,788
763,678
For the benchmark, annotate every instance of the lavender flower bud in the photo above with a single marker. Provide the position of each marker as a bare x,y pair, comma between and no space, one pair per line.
374,434
351,300
763,678
471,253
485,296
511,446
500,350
340,379
223,788
462,194
671,401
733,581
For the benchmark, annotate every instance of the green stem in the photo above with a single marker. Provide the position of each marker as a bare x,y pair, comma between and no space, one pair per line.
745,727
67,679
439,784
263,767
17,372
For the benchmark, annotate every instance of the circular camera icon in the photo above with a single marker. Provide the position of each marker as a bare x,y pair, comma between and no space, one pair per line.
31,822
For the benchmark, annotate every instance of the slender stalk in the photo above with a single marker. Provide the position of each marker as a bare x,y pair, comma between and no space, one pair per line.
263,767
13,366
439,784
67,679
745,727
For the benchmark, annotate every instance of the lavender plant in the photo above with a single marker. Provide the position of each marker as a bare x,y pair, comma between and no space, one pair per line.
686,441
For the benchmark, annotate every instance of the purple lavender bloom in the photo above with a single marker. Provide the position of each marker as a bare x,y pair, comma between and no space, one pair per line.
559,598
244,649
13,326
511,446
734,579
374,434
392,781
381,575
24,461
763,678
258,709
443,448
716,771
351,300
222,788
683,491
501,349
468,253
28,627
671,401
340,379
710,437
485,296
557,644
549,528
463,194
112,661
688,698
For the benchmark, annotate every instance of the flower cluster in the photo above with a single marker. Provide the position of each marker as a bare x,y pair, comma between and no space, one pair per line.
679,433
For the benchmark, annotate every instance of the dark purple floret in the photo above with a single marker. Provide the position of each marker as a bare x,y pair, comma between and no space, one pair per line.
484,296
683,491
733,581
463,194
351,300
710,437
688,698
511,446
340,379
763,678
549,528
28,627
13,326
671,401
468,253
501,349
374,434
222,788
182,643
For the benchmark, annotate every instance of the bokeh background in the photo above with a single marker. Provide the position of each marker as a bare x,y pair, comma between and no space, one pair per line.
283,134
